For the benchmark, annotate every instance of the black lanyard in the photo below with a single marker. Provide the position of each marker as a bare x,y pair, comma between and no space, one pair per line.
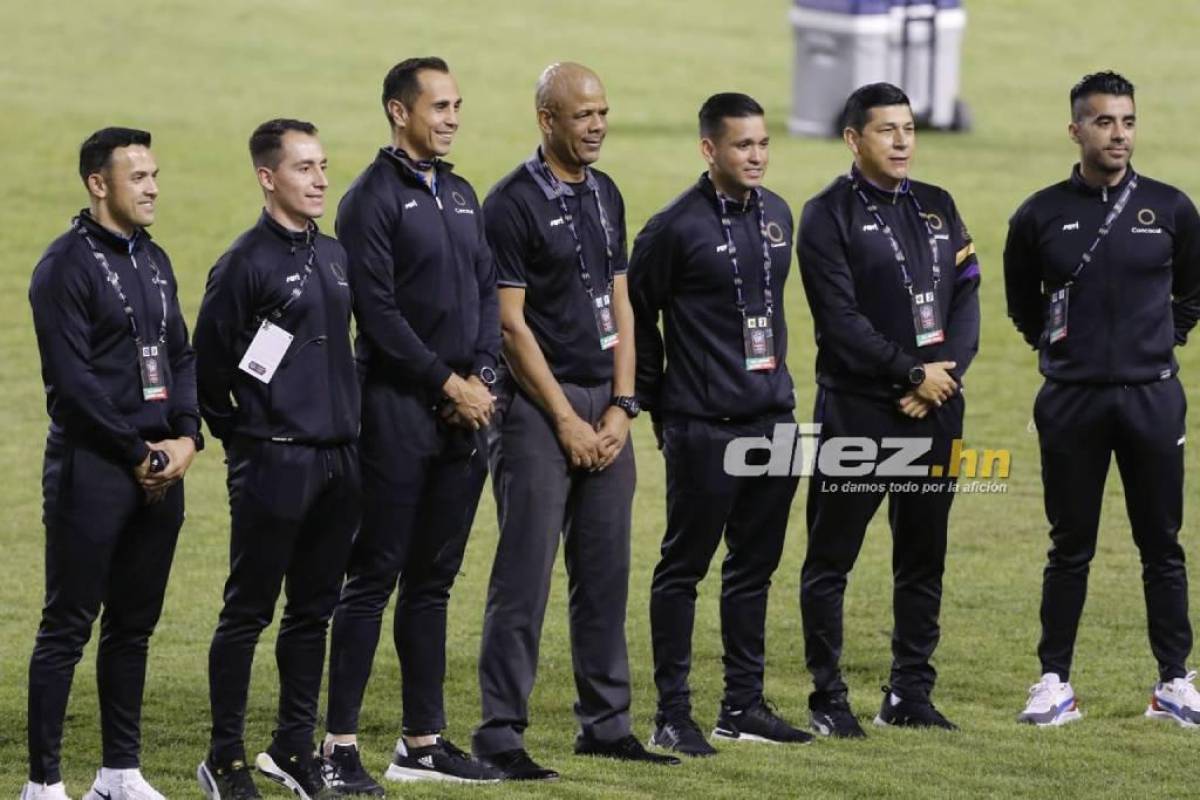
898,251
298,289
560,189
114,281
1109,219
727,227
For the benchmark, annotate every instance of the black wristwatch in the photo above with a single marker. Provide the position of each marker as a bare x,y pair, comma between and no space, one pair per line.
916,375
197,439
626,403
487,375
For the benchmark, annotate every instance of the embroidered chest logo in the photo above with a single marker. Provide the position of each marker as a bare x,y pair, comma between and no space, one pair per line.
935,222
1146,218
410,204
775,235
460,203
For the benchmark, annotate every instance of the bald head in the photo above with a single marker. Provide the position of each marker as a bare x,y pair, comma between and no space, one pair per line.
563,81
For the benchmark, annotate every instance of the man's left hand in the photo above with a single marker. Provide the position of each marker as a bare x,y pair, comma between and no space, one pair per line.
912,405
614,431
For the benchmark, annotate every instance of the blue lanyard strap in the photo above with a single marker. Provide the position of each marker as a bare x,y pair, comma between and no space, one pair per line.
113,280
897,250
559,190
731,249
1109,219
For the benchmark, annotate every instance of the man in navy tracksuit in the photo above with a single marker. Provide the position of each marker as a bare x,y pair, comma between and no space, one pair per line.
1102,273
892,281
713,263
424,290
278,387
121,393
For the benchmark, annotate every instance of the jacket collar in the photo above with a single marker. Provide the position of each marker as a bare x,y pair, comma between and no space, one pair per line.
293,238
110,238
409,169
1080,185
878,192
706,187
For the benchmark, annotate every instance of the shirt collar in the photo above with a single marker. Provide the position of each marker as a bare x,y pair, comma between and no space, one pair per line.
549,183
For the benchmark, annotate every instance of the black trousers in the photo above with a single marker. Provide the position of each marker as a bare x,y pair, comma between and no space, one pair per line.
1080,427
540,498
294,510
705,504
839,510
421,486
105,549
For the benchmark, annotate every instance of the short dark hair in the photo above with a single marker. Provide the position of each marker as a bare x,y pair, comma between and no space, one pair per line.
266,143
403,83
1107,82
95,154
722,106
864,98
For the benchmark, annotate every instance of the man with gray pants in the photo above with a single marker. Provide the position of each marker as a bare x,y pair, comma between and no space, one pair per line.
560,456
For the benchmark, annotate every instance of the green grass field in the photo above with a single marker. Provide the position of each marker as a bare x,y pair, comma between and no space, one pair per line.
200,76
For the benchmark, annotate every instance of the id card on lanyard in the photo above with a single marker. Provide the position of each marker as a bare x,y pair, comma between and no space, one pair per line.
1059,300
149,354
601,301
758,333
270,343
926,317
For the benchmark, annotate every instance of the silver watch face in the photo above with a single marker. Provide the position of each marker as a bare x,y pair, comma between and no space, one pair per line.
487,375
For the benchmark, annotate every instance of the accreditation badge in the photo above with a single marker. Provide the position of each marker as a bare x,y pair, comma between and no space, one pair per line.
1056,314
154,383
927,322
606,323
265,352
758,339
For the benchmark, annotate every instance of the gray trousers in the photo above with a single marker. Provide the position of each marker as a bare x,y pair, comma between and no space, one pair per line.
540,497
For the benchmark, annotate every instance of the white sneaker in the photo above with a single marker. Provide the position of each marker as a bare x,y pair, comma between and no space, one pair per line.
44,791
121,784
1177,701
1051,703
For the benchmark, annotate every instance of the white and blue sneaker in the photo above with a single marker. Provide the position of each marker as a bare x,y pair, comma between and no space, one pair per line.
1051,703
121,784
1176,700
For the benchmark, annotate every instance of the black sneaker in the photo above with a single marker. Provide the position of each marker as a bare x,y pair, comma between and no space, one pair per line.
682,735
299,772
757,723
440,761
344,773
627,748
903,713
230,781
831,716
516,765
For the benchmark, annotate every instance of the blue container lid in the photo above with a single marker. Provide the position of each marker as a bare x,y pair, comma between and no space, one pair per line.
857,7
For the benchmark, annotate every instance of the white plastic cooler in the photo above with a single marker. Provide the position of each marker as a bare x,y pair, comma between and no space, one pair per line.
843,44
